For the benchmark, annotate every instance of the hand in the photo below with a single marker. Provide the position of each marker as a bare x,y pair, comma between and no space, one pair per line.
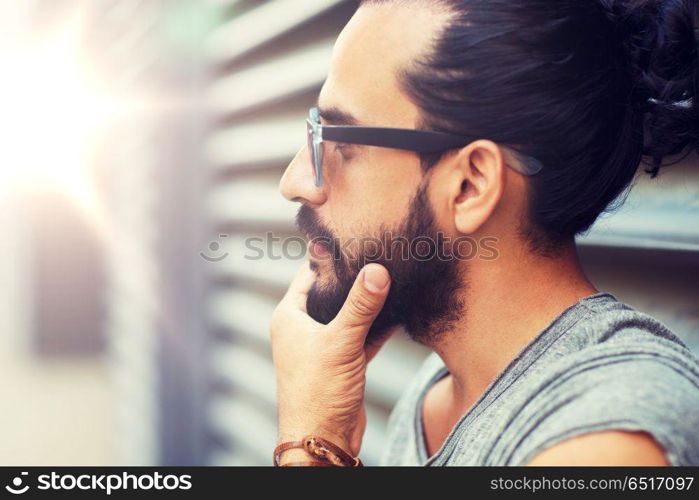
321,369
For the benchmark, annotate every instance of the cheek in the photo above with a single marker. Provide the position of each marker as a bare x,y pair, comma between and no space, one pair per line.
373,190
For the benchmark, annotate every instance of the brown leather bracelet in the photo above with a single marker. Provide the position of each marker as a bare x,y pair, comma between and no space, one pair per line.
318,447
282,448
326,450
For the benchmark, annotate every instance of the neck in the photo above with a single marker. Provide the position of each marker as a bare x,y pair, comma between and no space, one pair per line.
507,302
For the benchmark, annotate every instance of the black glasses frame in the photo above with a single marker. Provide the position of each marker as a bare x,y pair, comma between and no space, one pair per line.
419,141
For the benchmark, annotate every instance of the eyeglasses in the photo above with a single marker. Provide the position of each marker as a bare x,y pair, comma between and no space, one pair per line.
419,141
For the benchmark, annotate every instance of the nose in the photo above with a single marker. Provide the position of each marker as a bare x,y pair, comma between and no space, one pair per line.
298,182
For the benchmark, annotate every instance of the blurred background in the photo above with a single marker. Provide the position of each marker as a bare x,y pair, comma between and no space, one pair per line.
142,142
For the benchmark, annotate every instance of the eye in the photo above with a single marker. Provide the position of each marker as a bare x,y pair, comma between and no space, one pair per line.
343,148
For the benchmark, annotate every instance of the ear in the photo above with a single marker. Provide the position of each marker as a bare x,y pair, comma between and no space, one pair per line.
480,175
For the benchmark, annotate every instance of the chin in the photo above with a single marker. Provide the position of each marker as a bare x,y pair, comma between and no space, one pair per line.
325,277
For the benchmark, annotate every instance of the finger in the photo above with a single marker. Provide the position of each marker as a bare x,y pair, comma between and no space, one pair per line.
365,300
297,293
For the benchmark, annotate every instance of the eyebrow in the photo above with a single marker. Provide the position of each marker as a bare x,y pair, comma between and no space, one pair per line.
336,116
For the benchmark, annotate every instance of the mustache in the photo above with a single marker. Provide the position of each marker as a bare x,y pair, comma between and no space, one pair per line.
309,223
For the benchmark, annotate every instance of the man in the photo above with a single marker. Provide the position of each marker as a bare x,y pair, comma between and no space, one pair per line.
532,364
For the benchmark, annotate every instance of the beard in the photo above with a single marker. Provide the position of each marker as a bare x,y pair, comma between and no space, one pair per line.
425,278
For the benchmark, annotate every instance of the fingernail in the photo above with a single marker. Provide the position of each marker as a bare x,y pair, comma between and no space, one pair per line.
375,278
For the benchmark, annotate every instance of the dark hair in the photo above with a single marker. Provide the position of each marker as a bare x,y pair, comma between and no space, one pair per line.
588,87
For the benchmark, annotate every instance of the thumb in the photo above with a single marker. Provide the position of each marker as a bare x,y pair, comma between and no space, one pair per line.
365,299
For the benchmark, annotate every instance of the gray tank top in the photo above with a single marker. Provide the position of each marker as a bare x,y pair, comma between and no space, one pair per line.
599,365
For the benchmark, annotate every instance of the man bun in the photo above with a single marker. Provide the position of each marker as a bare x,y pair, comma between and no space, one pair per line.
658,40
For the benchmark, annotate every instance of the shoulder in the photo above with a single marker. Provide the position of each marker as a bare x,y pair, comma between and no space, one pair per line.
631,392
605,448
619,347
609,320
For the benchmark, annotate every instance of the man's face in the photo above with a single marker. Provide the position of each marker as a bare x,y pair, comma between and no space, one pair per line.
371,193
